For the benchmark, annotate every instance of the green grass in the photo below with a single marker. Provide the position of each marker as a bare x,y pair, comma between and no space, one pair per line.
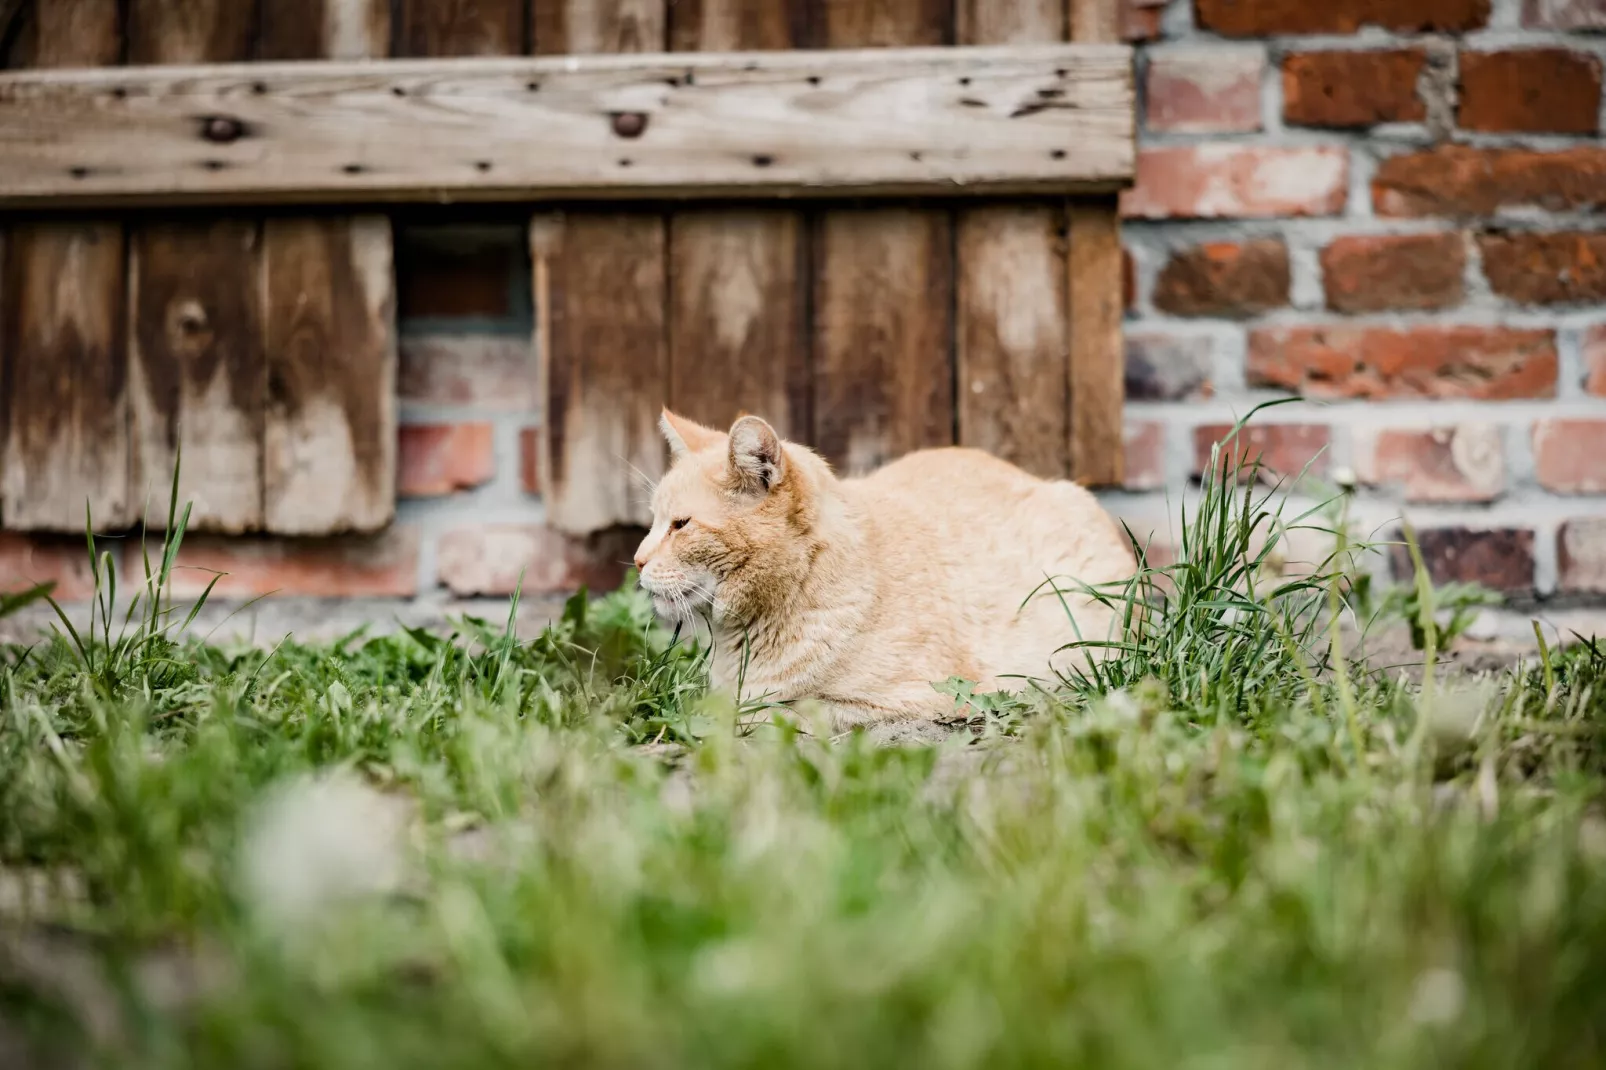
1230,846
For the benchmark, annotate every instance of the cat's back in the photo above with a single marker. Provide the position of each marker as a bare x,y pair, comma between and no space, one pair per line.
976,516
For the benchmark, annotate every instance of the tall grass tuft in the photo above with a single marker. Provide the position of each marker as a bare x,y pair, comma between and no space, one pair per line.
1220,628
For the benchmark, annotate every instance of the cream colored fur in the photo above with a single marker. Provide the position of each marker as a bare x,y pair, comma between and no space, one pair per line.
860,593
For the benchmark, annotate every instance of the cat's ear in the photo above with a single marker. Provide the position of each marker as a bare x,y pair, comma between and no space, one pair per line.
685,436
757,460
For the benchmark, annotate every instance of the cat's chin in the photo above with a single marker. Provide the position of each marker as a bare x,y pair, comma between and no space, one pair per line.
688,608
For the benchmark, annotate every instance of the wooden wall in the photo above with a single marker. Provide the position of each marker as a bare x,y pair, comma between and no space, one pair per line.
263,346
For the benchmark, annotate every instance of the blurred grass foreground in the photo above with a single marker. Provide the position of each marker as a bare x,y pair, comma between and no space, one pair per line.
1236,844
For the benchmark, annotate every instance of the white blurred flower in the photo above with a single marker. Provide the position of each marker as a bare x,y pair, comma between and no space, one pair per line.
316,840
1440,994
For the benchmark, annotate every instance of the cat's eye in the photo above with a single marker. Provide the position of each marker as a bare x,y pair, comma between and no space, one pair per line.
678,524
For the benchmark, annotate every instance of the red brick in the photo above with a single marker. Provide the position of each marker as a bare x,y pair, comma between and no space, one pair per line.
26,560
1167,367
1462,180
1501,559
347,566
1373,274
530,459
1224,279
1140,19
482,370
1581,555
456,273
1283,450
487,559
1199,92
1531,90
1564,14
1351,89
1226,181
1466,463
1264,18
1570,455
1595,360
437,459
1546,269
1486,363
1145,454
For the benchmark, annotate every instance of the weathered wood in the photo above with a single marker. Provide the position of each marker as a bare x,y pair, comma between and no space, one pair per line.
329,440
1051,118
329,451
601,302
1013,335
1098,387
883,285
738,339
882,333
600,295
1013,322
738,26
63,360
199,373
191,31
461,28
324,29
66,370
592,27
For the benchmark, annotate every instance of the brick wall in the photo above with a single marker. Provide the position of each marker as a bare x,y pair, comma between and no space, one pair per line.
1392,209
1389,207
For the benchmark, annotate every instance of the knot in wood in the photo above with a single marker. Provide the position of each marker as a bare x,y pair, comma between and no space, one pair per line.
629,123
221,129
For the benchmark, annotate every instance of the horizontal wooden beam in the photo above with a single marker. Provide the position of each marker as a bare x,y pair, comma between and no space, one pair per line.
927,121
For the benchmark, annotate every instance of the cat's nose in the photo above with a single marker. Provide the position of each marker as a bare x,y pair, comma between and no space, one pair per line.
641,562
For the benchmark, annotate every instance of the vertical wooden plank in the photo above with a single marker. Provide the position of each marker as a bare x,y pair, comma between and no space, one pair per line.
63,360
199,373
461,27
600,307
1098,389
882,286
329,445
600,295
329,442
324,29
738,283
1013,330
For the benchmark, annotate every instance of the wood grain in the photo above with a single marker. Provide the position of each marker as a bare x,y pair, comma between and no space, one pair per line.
882,335
329,450
199,372
593,27
1049,119
883,285
63,360
738,277
601,302
1013,330
1098,389
66,371
324,29
1014,335
329,437
461,28
600,295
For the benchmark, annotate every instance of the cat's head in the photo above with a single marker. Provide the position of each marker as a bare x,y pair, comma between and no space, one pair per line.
731,520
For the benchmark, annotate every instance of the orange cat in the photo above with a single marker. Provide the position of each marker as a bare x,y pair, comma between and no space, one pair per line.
860,593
